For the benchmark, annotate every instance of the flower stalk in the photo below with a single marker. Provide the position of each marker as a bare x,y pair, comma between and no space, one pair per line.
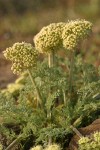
64,97
76,131
36,88
51,57
71,74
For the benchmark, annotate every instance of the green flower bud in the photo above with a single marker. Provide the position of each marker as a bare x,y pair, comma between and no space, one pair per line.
81,28
49,38
17,68
53,147
23,56
70,43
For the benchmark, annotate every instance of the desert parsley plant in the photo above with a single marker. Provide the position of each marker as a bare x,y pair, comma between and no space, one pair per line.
50,98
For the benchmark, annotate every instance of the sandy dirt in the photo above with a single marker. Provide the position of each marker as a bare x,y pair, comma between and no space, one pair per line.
6,75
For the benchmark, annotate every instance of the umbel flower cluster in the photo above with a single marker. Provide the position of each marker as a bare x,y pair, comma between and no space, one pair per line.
49,38
38,147
23,56
57,35
49,147
74,31
53,147
92,143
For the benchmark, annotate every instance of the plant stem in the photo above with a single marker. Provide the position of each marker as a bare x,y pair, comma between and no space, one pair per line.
14,143
49,112
50,140
51,59
37,90
78,121
76,131
64,96
71,74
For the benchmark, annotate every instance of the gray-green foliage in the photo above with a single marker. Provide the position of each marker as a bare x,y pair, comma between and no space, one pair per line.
33,120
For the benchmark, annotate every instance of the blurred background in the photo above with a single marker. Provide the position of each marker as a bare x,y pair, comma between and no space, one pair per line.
20,20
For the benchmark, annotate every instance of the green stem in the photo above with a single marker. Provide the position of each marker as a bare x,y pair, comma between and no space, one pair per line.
49,112
50,140
37,90
71,74
14,143
51,59
78,121
64,96
76,131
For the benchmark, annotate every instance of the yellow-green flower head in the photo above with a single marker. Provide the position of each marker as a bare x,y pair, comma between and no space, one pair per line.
90,143
70,43
96,136
78,29
49,38
53,147
23,56
38,147
84,140
82,28
1,147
